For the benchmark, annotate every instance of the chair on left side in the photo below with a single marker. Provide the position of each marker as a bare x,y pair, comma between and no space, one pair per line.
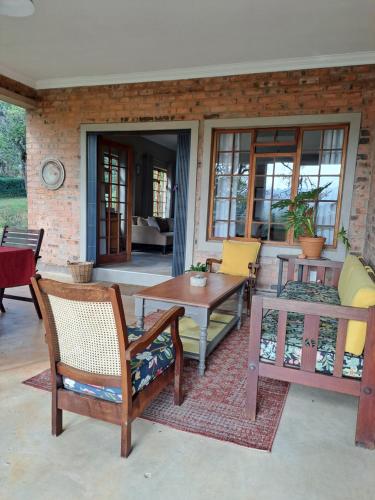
22,238
99,367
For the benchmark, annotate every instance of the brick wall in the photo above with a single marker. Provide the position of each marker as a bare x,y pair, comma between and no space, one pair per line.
53,130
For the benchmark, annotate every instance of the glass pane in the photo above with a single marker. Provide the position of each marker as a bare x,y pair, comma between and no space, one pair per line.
309,164
331,163
277,215
224,163
263,186
261,210
241,163
327,233
221,229
307,183
326,214
285,135
333,139
237,228
283,166
222,187
276,149
311,139
242,141
221,210
259,231
226,142
332,191
282,187
264,166
238,208
240,186
265,135
277,232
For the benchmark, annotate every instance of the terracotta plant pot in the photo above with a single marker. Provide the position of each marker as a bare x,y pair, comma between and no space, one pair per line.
312,247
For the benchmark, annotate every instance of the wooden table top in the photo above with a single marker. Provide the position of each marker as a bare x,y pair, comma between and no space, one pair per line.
179,291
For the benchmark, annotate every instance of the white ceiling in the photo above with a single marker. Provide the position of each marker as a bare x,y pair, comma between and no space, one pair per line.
75,42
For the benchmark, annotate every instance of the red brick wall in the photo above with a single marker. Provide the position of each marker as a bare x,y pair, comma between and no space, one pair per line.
53,130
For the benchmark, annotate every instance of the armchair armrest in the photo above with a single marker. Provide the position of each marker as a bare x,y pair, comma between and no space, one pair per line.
169,318
210,261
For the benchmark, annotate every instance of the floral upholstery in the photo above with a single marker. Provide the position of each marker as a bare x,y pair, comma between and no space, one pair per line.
312,292
145,367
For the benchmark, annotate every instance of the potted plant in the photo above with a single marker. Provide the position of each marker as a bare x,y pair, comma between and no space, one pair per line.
300,216
198,278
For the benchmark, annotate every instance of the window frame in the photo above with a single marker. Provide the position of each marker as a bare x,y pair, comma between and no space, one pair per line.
159,191
300,129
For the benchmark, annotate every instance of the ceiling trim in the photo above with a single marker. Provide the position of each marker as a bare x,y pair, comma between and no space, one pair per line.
18,77
269,66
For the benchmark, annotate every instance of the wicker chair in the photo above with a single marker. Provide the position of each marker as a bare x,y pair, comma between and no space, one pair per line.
99,367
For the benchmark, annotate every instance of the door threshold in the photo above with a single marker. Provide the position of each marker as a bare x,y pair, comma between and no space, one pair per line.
128,277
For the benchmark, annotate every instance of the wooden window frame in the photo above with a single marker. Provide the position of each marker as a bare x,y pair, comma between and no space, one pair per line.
159,191
300,129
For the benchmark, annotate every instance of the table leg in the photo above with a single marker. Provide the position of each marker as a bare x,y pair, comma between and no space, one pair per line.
240,306
202,349
139,312
280,277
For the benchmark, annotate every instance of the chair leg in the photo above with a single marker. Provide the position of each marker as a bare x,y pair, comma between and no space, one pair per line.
178,394
57,416
2,308
248,298
365,431
35,301
126,439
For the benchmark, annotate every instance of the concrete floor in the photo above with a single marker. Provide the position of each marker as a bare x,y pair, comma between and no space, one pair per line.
146,262
313,455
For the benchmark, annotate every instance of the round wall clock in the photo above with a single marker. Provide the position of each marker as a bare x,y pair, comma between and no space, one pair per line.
52,173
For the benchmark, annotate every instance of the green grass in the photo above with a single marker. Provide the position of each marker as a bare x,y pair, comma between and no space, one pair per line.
13,212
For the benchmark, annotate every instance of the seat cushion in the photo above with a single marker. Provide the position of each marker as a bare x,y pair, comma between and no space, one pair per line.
145,367
313,292
237,256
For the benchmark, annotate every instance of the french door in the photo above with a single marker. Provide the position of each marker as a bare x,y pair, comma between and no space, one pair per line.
114,210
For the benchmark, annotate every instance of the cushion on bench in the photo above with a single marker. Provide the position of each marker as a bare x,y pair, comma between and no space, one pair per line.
356,289
145,367
312,292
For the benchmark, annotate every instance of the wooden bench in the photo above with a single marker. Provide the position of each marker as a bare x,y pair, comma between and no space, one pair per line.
306,373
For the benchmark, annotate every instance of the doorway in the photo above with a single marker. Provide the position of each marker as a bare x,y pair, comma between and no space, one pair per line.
142,184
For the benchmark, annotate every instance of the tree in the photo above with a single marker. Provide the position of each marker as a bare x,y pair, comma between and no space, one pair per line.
12,140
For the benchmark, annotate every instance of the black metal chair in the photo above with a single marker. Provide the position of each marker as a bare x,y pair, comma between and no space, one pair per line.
22,238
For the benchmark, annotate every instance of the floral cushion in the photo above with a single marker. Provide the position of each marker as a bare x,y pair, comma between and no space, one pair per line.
312,292
145,367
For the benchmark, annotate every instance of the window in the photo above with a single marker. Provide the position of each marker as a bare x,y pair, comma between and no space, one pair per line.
254,168
160,192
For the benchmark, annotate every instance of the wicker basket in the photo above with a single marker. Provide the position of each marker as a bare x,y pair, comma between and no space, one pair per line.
81,271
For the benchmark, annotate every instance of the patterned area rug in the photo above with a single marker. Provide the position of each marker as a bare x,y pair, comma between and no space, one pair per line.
214,404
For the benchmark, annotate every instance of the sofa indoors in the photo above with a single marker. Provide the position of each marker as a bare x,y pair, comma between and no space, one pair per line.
152,231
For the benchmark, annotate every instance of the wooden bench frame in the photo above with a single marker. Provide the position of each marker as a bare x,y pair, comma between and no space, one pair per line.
22,238
363,388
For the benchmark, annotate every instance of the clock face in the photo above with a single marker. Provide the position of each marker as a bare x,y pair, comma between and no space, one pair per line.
52,174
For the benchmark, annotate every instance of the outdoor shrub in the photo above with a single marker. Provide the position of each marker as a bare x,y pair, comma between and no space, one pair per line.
12,187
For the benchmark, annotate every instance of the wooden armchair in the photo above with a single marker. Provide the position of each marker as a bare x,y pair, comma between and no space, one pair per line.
22,238
99,367
251,274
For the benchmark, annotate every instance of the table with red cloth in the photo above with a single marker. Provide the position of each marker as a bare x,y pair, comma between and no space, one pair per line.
17,265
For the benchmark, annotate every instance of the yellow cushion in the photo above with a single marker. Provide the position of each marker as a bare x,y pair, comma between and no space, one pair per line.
237,255
357,290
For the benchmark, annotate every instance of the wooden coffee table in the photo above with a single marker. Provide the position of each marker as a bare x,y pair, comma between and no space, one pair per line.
199,303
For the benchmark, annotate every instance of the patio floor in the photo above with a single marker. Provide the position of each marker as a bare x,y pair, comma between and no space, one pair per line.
313,455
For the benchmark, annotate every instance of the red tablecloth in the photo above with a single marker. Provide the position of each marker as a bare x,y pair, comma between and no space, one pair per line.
17,265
